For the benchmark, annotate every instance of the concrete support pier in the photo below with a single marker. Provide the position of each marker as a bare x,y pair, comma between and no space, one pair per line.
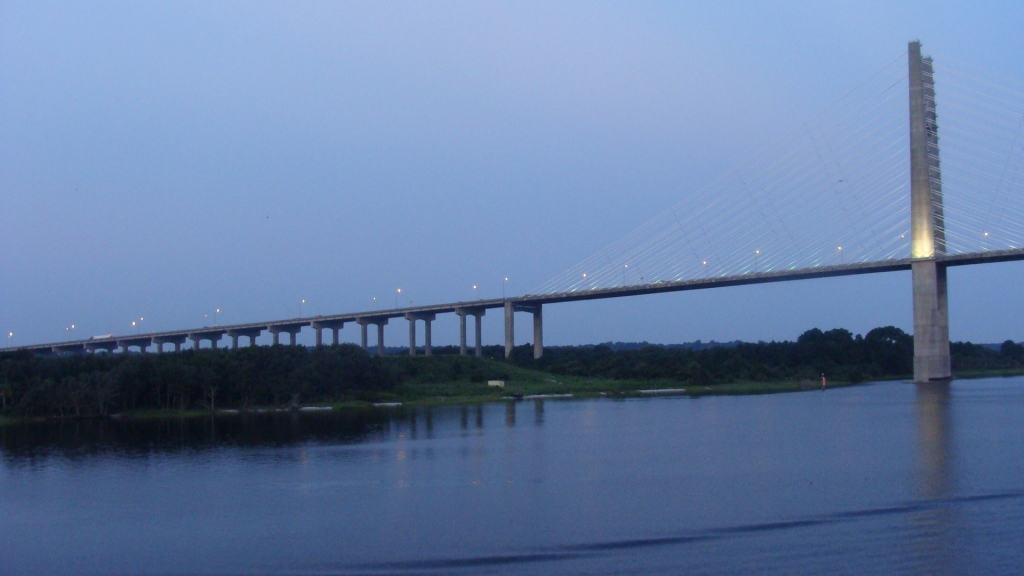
251,333
479,334
365,321
333,325
538,333
476,313
927,226
142,343
427,319
212,335
108,345
412,337
291,329
62,349
538,327
176,340
462,334
510,328
426,335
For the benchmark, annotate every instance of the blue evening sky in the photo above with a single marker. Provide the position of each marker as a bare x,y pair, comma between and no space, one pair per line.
165,159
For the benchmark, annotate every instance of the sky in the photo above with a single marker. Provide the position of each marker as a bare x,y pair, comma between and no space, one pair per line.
163,160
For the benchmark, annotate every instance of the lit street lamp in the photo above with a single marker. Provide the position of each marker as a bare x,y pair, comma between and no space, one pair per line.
397,292
503,282
476,293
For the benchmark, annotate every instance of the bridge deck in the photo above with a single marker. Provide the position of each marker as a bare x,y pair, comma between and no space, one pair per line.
593,294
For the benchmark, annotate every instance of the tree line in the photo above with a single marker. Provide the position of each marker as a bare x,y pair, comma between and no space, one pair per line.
882,353
88,385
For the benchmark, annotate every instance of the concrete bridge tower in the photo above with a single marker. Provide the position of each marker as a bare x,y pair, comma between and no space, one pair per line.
927,226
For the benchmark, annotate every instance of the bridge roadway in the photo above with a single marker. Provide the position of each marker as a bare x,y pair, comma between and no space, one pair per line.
530,303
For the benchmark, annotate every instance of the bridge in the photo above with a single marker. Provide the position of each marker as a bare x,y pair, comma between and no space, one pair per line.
835,204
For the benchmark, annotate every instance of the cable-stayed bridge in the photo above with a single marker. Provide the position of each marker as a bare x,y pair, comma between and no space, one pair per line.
864,186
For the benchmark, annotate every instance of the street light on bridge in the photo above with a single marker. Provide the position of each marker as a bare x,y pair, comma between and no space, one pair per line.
476,293
397,292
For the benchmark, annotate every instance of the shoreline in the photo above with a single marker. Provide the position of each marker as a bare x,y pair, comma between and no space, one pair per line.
575,388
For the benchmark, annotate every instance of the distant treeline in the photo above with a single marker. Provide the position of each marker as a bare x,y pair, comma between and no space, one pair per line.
102,384
886,352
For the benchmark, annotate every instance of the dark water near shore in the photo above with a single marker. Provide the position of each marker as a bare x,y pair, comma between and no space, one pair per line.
879,479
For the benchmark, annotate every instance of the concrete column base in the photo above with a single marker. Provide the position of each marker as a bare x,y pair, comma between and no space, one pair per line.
479,335
412,336
462,334
538,333
426,337
510,328
931,323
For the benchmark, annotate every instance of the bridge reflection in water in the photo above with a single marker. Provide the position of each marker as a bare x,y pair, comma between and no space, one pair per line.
935,528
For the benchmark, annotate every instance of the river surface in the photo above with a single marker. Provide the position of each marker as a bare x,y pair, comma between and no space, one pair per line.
885,478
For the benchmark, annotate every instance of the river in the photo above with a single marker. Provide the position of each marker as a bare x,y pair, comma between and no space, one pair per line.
884,478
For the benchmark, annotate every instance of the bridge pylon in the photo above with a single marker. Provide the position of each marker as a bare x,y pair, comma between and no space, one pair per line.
927,226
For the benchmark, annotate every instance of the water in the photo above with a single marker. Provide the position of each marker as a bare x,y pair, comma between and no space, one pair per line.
881,479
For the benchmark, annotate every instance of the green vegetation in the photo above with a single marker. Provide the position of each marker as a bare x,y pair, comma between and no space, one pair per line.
88,385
